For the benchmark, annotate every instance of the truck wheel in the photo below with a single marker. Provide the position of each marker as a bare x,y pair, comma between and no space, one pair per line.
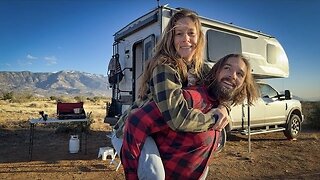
222,140
293,127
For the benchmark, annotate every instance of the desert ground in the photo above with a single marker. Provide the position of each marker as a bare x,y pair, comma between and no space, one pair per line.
272,156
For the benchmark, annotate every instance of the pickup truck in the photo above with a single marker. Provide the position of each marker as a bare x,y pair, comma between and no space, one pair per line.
272,112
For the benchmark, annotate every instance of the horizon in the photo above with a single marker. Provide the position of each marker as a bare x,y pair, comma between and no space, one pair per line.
64,70
46,36
108,90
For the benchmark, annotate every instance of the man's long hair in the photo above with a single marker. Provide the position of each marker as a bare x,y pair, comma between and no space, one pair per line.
248,89
165,52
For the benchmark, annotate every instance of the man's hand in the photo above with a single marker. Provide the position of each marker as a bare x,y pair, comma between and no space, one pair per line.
223,119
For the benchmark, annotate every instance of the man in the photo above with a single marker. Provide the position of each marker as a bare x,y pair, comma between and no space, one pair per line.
185,155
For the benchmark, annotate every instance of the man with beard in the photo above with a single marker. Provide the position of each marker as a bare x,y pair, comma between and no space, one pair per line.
185,155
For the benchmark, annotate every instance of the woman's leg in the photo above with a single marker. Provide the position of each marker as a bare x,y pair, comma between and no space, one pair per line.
116,143
140,124
150,164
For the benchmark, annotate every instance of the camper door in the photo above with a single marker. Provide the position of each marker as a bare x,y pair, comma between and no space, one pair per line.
142,51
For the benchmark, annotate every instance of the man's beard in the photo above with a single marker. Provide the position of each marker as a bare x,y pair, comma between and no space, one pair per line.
220,92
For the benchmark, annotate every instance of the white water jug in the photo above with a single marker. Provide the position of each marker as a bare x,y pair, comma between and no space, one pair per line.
74,144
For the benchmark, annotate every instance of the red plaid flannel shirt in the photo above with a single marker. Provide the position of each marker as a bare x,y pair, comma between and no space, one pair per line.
184,154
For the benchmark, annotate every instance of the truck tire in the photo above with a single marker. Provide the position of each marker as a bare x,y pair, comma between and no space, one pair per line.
293,127
222,140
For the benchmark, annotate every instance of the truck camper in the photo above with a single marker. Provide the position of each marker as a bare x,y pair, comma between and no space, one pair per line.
133,46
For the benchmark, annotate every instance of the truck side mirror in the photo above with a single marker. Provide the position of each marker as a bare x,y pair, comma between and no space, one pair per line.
287,94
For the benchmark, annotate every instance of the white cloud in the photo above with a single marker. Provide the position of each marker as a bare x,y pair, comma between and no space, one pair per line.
31,57
50,60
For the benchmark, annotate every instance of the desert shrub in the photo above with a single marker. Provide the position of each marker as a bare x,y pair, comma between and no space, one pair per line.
22,97
314,117
80,98
53,98
96,99
7,95
91,99
64,99
33,105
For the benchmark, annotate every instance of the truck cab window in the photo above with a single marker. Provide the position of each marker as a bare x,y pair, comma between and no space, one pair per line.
267,91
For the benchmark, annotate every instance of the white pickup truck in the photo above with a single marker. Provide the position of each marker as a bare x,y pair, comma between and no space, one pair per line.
272,112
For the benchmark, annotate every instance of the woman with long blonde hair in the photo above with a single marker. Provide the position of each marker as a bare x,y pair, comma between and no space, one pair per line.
167,51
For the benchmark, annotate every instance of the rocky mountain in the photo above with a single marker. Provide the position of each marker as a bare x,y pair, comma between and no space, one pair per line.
71,83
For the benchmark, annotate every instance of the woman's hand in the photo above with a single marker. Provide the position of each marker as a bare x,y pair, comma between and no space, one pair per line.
221,117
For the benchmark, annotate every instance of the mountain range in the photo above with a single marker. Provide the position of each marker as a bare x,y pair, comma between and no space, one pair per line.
73,83
69,83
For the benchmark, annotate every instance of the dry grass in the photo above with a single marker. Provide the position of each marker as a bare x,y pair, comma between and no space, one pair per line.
17,114
272,156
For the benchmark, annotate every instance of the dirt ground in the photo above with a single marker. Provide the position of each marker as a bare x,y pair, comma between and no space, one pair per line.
272,155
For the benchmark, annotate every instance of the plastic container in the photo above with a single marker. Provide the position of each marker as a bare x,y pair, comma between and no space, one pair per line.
74,143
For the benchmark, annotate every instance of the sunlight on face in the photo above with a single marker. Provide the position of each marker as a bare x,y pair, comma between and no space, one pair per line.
232,74
185,38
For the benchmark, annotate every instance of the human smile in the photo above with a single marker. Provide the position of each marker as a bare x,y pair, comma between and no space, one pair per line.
228,83
186,47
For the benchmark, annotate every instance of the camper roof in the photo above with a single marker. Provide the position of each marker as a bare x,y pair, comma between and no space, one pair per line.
266,55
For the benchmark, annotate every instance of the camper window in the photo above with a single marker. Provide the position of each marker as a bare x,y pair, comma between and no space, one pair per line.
273,53
149,44
221,43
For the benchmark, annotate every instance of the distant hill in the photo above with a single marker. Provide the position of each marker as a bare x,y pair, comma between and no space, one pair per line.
71,83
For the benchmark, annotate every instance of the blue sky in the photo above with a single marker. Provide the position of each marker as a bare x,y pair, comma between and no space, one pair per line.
49,36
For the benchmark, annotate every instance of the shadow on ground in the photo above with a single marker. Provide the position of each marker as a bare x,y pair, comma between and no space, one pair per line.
48,145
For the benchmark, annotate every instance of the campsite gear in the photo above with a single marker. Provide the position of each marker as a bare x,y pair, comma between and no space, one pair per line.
44,116
105,152
115,73
83,122
77,110
70,110
74,144
109,151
